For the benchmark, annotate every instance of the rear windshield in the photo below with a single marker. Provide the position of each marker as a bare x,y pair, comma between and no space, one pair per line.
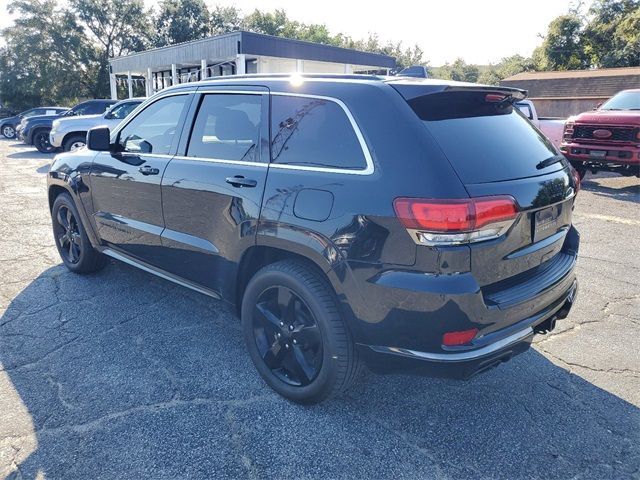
484,140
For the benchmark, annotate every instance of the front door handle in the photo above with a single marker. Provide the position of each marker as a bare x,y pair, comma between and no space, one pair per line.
240,181
147,170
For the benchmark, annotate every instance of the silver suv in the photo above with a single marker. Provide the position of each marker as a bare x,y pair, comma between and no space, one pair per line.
69,133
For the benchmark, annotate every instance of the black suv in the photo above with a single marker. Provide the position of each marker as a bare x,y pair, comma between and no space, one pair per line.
407,224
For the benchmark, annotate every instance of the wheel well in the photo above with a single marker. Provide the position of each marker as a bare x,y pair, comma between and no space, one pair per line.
54,191
37,130
260,256
71,134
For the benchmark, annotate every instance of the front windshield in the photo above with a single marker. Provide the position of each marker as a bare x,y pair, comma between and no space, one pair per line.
629,100
29,113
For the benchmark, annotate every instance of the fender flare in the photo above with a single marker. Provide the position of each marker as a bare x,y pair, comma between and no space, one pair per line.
58,181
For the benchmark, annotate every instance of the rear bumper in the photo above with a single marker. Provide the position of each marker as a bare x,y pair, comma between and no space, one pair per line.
497,348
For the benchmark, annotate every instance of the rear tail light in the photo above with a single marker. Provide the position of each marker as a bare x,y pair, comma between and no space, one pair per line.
576,180
451,222
494,97
451,339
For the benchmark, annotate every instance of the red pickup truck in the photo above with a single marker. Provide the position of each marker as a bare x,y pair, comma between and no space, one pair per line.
607,138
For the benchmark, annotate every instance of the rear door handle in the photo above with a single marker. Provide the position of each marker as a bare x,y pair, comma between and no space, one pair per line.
240,181
147,170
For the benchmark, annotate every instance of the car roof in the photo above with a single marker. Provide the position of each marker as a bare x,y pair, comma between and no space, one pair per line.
134,99
430,85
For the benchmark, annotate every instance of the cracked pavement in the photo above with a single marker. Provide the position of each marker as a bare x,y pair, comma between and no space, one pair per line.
124,375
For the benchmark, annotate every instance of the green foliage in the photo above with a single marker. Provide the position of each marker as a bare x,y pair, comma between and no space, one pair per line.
114,28
563,46
612,33
460,71
405,57
181,21
57,52
225,20
42,61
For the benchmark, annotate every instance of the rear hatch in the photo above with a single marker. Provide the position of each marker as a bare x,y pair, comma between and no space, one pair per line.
497,153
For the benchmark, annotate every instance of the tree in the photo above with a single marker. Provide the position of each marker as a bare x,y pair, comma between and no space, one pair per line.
507,67
562,47
460,71
181,21
45,56
225,20
405,57
276,23
115,28
611,36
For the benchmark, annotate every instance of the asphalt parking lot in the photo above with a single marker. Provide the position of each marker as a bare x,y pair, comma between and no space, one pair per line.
124,375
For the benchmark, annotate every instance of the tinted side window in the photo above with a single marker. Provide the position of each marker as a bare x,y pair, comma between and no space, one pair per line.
153,129
227,127
313,132
121,111
95,108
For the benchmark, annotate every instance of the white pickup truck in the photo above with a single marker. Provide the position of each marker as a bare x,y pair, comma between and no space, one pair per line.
551,127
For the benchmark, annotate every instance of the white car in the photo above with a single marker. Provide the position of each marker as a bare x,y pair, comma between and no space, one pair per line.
69,133
551,127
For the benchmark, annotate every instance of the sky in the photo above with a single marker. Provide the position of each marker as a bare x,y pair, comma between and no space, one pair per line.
478,31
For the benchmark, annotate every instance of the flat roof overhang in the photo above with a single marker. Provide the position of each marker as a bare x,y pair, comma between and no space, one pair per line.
222,47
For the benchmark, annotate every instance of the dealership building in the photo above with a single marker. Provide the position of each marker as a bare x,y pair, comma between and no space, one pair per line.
236,53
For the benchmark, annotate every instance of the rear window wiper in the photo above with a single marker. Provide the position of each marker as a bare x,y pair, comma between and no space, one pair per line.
549,161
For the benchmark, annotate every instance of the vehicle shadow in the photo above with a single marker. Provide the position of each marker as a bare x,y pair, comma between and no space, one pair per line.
629,193
30,155
120,374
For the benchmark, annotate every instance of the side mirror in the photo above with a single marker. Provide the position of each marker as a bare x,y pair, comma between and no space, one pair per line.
98,139
598,106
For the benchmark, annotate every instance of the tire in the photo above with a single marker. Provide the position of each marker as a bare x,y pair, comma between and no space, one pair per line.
8,131
74,247
322,372
74,142
41,141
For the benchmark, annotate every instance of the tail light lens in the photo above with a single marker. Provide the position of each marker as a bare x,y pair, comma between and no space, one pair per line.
567,133
576,180
451,222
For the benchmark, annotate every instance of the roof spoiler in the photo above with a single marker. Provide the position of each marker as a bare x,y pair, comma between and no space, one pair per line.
411,88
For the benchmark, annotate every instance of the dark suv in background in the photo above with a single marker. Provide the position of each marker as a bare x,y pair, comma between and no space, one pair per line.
403,224
9,125
35,130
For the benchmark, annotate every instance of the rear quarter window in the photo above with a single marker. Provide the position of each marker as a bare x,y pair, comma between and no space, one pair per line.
485,142
315,132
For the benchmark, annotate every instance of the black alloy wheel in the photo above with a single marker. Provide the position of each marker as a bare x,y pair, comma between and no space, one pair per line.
67,234
41,142
73,244
295,333
287,336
